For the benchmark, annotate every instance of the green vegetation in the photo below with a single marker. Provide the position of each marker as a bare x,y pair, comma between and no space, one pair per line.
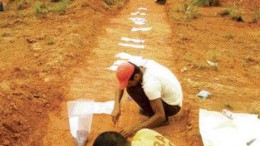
190,11
213,56
40,8
22,4
20,14
60,6
114,2
206,2
234,13
256,15
49,41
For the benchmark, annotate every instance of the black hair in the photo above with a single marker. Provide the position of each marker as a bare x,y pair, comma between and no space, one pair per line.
110,138
137,70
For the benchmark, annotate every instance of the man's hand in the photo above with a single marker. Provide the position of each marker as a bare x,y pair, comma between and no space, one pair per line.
116,111
116,114
127,132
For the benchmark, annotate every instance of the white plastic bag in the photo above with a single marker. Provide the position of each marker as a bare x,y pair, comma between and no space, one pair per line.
80,119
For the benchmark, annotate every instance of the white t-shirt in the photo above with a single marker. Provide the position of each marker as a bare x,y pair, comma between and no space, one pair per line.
160,82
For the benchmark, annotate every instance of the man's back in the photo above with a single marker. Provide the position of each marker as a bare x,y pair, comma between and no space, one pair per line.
159,81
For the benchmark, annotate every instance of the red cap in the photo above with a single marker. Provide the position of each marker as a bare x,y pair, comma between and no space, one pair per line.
123,74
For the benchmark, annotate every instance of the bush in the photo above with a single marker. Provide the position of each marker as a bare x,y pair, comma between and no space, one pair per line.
206,3
61,6
22,4
113,2
190,11
234,13
40,8
256,16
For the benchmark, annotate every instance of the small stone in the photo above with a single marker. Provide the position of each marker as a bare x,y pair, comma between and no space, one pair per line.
190,127
184,69
199,76
46,79
36,47
36,55
17,93
30,40
36,96
216,79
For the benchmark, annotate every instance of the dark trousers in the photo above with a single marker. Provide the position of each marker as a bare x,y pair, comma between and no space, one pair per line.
138,95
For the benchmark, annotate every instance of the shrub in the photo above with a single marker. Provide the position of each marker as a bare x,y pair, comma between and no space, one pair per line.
234,13
114,2
190,11
61,6
206,3
20,14
256,15
40,8
22,4
214,55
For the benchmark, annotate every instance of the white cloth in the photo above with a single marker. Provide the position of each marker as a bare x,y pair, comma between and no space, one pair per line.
160,82
81,111
219,130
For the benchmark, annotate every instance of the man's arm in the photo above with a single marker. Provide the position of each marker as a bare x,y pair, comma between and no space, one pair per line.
116,111
155,120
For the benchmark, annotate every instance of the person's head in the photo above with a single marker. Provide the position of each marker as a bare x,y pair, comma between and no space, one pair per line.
111,138
128,75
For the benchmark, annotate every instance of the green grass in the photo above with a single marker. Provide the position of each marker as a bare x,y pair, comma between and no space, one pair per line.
206,3
22,4
256,15
60,6
184,12
234,13
114,2
213,56
20,14
40,8
190,11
